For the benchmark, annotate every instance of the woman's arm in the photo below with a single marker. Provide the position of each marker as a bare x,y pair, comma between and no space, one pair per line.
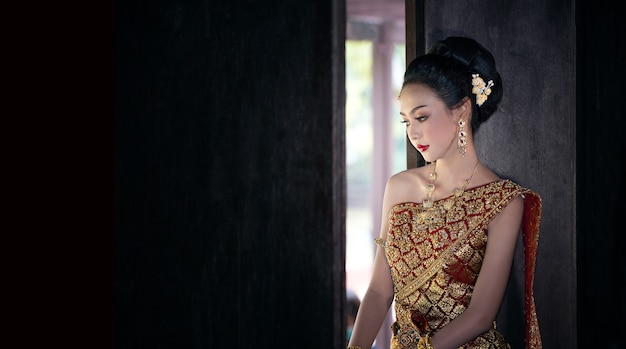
379,295
491,283
375,304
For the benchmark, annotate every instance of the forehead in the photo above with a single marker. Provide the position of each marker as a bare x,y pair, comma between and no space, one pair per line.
413,95
416,90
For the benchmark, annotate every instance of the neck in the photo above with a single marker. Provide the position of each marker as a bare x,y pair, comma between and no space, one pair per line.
454,169
446,186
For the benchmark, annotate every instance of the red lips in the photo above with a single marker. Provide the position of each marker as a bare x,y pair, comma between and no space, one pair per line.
422,148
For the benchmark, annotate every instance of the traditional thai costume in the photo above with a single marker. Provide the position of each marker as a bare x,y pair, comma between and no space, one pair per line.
435,256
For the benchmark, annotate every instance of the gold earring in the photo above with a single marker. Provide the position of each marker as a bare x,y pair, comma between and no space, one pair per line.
461,143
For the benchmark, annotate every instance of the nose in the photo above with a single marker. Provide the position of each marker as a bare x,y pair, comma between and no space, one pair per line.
413,131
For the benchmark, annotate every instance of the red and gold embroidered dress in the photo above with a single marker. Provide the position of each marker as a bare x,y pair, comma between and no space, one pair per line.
435,261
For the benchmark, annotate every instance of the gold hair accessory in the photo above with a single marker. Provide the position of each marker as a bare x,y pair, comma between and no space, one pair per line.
481,90
354,347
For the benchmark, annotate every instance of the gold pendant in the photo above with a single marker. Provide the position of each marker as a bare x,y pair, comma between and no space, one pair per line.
431,218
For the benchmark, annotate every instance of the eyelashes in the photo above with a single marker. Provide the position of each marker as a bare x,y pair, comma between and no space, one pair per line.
419,119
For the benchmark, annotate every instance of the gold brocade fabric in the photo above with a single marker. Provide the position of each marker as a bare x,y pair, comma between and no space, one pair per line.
435,261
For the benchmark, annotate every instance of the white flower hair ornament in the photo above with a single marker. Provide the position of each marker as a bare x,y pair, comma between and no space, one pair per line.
481,90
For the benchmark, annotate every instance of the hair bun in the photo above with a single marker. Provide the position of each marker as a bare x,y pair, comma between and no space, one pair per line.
469,52
478,60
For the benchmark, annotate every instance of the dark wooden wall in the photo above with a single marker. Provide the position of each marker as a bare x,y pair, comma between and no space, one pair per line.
229,174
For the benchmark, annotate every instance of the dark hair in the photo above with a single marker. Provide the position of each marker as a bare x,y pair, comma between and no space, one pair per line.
447,69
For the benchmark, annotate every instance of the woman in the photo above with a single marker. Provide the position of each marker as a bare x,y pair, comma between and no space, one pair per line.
450,227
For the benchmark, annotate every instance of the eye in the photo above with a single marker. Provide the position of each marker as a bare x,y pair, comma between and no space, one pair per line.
406,122
421,118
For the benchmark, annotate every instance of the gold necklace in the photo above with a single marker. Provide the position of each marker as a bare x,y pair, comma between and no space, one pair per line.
435,216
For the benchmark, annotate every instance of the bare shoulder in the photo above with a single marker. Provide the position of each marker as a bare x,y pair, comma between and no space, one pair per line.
407,186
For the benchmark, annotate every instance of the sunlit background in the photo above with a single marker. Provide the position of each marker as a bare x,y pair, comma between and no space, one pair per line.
360,165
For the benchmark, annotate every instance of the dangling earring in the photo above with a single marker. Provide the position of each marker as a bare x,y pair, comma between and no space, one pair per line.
461,143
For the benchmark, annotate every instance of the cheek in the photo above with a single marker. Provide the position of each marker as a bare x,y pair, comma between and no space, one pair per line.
442,130
437,128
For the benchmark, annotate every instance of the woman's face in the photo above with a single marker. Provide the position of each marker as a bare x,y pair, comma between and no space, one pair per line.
430,125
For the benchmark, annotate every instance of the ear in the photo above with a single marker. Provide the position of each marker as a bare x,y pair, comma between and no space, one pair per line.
464,110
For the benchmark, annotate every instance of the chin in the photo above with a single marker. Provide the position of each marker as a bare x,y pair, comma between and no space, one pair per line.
428,158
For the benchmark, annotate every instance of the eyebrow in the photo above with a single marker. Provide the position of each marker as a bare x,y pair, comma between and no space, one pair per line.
414,109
